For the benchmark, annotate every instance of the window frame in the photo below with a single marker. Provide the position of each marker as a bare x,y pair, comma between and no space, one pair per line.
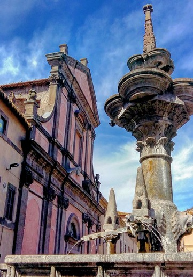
9,202
6,119
79,144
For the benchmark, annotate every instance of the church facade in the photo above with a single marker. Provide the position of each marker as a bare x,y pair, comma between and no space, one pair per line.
56,197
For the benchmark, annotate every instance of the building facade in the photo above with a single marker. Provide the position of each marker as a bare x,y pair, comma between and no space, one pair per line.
10,168
57,193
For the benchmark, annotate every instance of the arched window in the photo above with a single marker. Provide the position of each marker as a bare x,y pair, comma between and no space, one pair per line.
109,220
72,235
73,230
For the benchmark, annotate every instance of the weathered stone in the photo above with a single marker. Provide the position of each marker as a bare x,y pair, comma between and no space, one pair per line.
153,106
111,220
131,264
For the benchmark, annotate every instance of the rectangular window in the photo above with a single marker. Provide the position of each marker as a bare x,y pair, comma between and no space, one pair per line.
78,145
80,151
3,124
9,201
4,121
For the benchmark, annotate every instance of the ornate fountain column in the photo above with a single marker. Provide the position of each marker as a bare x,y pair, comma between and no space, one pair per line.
153,106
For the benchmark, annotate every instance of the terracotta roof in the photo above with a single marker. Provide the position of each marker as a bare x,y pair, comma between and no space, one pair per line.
13,108
26,83
120,213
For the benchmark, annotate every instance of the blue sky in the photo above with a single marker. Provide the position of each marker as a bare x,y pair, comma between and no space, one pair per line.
107,33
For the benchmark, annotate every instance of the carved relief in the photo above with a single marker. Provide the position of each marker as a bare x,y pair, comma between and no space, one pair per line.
49,193
32,95
181,224
152,147
140,201
63,202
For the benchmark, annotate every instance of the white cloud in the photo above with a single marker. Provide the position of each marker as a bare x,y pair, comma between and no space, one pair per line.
21,61
117,170
182,167
8,65
117,166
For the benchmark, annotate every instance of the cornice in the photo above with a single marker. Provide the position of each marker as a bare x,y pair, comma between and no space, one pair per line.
93,116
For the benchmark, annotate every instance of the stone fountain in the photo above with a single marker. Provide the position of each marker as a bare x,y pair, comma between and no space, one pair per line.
153,106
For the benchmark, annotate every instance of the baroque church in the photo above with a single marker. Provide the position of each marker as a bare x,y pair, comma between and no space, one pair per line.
50,195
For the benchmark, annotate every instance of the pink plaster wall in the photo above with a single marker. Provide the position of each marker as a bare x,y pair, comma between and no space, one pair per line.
93,242
48,125
53,230
32,226
84,149
59,157
62,120
72,132
83,82
41,140
78,178
77,146
37,187
89,153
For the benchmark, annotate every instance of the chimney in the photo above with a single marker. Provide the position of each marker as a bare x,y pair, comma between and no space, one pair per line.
63,48
84,61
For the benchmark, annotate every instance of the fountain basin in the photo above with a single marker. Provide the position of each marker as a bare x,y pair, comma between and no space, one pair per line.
116,265
145,81
156,58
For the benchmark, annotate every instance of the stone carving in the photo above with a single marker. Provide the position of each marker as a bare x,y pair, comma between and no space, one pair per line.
63,202
181,224
111,220
28,177
152,106
31,105
32,95
12,97
49,193
151,146
85,217
149,38
140,201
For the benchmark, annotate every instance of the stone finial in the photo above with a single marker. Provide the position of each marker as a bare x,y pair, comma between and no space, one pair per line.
63,48
149,41
32,94
31,105
84,61
12,97
111,220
